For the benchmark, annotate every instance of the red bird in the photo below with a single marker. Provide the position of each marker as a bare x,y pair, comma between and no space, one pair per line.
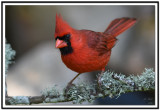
85,50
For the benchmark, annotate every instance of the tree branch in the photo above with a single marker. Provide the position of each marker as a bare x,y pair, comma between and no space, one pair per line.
9,55
112,85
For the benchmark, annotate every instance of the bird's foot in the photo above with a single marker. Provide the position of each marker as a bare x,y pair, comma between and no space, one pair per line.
99,78
69,86
99,83
98,88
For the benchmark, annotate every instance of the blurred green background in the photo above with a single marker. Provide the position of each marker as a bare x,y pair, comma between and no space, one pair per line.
30,31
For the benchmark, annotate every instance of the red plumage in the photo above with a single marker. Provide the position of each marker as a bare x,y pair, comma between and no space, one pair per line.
90,50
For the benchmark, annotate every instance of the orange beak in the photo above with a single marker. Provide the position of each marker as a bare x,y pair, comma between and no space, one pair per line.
61,44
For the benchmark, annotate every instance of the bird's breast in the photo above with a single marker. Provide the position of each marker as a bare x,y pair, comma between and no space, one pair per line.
85,60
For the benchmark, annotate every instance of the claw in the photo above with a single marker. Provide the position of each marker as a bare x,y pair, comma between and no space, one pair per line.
70,83
99,82
69,86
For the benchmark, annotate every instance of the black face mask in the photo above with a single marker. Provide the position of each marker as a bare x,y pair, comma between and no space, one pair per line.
68,49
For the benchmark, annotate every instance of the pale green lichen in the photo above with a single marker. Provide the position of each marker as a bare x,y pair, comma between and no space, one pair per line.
61,98
52,94
115,84
19,100
51,91
112,84
146,81
9,55
82,92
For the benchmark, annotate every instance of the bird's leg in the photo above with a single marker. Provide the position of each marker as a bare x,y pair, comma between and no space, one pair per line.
99,82
70,83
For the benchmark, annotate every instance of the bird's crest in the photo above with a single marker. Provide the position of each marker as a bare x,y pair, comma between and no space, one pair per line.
62,26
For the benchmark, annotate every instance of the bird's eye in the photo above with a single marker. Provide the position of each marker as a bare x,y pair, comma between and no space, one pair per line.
67,36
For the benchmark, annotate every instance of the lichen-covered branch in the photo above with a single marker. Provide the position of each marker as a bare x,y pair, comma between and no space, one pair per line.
9,55
112,85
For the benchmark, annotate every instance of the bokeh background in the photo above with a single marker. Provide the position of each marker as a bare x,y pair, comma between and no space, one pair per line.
30,31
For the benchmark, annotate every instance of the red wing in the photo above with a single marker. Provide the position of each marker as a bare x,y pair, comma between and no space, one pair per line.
99,41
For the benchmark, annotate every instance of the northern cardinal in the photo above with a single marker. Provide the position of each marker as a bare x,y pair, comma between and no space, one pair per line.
85,50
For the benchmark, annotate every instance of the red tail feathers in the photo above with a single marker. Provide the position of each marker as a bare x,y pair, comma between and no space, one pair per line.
119,25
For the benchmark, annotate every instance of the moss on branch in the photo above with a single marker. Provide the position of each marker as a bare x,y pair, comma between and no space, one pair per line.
112,85
9,55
